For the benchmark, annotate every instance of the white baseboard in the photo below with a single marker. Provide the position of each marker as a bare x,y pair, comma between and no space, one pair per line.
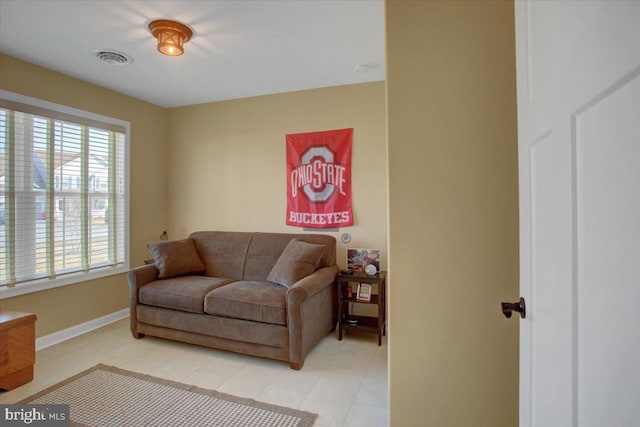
82,328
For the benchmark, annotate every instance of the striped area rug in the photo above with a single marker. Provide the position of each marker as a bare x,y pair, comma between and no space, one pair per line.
109,396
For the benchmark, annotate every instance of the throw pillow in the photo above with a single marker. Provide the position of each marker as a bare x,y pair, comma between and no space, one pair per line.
298,260
176,258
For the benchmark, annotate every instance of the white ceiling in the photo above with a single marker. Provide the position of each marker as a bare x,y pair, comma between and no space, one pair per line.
240,48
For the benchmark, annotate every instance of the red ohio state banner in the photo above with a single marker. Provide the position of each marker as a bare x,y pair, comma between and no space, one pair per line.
319,179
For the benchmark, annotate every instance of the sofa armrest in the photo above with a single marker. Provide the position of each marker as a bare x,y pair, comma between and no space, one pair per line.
311,312
311,284
138,277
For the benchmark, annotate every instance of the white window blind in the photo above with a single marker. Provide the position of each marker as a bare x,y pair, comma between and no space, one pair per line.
63,194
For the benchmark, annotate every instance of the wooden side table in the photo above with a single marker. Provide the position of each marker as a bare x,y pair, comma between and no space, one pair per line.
362,323
17,348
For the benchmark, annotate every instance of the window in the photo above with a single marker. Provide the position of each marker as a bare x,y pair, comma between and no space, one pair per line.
63,195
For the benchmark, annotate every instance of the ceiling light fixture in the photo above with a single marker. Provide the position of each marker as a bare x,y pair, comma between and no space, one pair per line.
171,36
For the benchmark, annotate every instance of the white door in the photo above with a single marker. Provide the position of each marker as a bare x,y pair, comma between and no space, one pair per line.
578,66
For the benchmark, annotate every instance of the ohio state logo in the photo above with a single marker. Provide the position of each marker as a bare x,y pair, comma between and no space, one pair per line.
318,175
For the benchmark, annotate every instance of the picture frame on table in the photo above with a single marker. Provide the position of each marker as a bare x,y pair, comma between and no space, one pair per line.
358,259
364,292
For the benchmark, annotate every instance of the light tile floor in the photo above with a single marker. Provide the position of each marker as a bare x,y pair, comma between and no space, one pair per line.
344,382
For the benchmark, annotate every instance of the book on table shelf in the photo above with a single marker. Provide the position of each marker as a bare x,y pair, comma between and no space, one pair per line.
364,292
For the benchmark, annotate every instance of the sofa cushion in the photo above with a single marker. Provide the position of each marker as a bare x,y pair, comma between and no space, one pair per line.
298,260
184,293
266,248
176,258
249,300
222,252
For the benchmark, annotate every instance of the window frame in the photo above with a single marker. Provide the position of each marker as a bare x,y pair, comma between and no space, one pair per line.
42,284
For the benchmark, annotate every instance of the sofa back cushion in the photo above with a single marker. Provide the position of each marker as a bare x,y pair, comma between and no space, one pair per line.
266,248
222,252
251,256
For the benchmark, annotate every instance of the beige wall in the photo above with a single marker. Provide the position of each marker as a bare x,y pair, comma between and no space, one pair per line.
67,306
227,160
453,213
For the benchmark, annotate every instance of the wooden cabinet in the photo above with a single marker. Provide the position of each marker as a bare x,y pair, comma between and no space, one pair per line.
347,320
17,348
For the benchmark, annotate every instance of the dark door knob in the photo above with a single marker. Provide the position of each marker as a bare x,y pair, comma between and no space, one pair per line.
509,307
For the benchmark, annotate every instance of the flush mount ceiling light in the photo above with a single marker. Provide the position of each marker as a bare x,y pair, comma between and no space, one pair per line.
171,36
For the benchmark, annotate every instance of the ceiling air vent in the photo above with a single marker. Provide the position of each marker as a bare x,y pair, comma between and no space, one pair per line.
112,57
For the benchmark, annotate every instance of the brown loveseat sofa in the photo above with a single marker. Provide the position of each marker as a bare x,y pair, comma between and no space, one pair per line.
238,291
